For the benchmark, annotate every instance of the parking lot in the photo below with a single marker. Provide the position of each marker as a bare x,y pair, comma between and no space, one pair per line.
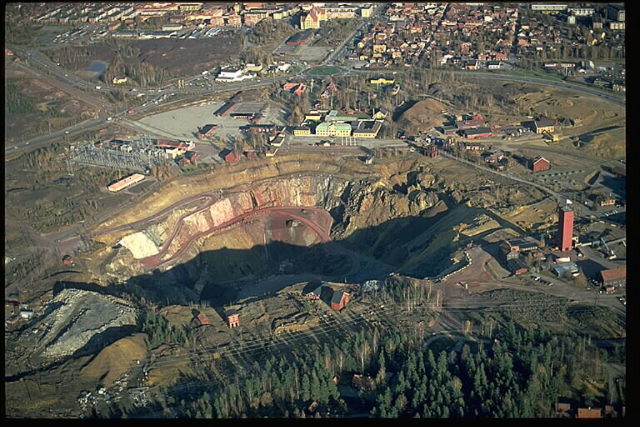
185,121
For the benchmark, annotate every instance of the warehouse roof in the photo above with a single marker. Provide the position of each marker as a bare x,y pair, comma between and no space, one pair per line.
614,274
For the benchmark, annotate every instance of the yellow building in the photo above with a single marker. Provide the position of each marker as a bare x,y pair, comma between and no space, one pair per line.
380,114
381,81
368,132
119,80
379,48
316,117
312,19
333,129
366,10
301,131
189,6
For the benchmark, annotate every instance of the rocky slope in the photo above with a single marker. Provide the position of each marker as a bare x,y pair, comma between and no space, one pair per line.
78,321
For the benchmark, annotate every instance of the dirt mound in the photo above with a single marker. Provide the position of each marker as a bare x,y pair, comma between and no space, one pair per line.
585,110
116,359
609,145
423,115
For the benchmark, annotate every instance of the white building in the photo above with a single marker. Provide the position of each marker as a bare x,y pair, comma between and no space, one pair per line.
581,11
548,7
233,74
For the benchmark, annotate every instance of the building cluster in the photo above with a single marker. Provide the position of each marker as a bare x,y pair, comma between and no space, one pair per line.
15,312
140,154
595,32
470,126
195,13
514,252
333,123
567,410
194,19
464,35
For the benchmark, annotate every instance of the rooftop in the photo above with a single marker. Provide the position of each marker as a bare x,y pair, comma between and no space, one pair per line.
614,274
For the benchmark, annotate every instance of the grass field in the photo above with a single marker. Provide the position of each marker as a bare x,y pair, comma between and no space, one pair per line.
323,71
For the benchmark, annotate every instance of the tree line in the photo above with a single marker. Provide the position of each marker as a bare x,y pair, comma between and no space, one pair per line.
520,373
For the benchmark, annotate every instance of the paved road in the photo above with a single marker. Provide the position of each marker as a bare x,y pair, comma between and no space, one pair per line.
601,93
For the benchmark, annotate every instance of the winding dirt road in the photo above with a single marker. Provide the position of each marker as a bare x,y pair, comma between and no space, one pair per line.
294,212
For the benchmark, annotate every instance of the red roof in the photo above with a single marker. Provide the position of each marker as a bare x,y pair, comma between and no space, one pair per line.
589,413
614,274
539,159
203,319
231,158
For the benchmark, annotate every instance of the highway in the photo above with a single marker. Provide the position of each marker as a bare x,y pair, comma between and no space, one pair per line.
609,96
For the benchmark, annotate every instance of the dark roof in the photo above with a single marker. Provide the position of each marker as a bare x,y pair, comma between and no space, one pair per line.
337,297
300,37
477,131
516,264
206,128
543,122
317,291
523,243
323,292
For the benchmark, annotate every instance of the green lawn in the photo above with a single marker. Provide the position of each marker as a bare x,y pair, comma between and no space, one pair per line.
324,71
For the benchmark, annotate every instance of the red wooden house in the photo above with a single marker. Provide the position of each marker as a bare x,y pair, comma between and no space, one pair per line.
339,300
540,164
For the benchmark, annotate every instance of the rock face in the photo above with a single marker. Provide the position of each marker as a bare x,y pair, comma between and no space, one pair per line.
140,245
75,317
